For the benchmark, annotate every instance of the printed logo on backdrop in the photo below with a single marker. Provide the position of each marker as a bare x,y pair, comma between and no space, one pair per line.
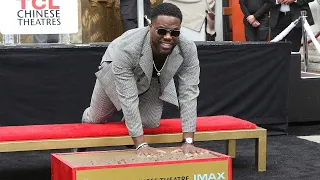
39,16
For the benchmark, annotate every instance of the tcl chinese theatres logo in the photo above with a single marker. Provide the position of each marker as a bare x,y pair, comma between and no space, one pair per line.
39,4
39,13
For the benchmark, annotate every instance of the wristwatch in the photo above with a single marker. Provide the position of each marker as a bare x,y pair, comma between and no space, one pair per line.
187,140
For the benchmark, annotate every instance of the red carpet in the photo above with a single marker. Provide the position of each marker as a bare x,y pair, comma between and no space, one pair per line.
59,131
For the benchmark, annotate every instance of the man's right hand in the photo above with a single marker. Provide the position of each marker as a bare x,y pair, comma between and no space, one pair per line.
149,151
145,150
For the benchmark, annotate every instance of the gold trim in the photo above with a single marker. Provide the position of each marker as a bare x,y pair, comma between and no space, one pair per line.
45,144
231,148
259,134
261,152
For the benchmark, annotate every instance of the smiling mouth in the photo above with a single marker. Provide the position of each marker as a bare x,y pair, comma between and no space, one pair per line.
166,45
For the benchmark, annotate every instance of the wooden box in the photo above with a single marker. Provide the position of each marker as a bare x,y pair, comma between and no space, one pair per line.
126,165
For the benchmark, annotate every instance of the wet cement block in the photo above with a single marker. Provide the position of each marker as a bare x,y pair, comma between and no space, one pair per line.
126,165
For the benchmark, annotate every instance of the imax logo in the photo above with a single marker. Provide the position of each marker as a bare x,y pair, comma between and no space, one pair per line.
211,176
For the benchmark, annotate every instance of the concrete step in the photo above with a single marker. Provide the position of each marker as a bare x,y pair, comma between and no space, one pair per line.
314,58
313,67
313,63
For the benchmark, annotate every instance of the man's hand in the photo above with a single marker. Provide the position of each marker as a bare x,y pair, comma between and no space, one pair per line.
255,24
251,19
149,151
280,1
287,1
143,149
190,149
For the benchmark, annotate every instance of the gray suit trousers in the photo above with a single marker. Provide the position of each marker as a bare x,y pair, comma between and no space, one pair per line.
101,108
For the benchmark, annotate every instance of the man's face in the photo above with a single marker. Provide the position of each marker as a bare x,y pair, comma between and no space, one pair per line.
164,34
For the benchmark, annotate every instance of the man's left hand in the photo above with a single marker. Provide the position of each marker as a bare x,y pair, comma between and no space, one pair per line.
189,149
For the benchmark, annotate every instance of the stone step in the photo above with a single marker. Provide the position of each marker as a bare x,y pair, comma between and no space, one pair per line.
313,67
313,52
314,58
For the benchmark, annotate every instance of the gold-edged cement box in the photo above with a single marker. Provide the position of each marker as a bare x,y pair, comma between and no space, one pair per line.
126,165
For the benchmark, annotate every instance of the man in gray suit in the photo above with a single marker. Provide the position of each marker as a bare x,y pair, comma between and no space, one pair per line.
136,76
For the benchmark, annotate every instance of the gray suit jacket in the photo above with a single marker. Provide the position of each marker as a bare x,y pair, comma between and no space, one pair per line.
130,71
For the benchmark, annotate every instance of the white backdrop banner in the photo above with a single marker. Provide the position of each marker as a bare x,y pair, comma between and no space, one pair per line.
38,16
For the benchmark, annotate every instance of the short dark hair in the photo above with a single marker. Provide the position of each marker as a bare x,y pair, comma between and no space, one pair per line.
166,9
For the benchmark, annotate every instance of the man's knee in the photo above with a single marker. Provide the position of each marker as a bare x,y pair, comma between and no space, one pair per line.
86,118
90,118
151,119
151,123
